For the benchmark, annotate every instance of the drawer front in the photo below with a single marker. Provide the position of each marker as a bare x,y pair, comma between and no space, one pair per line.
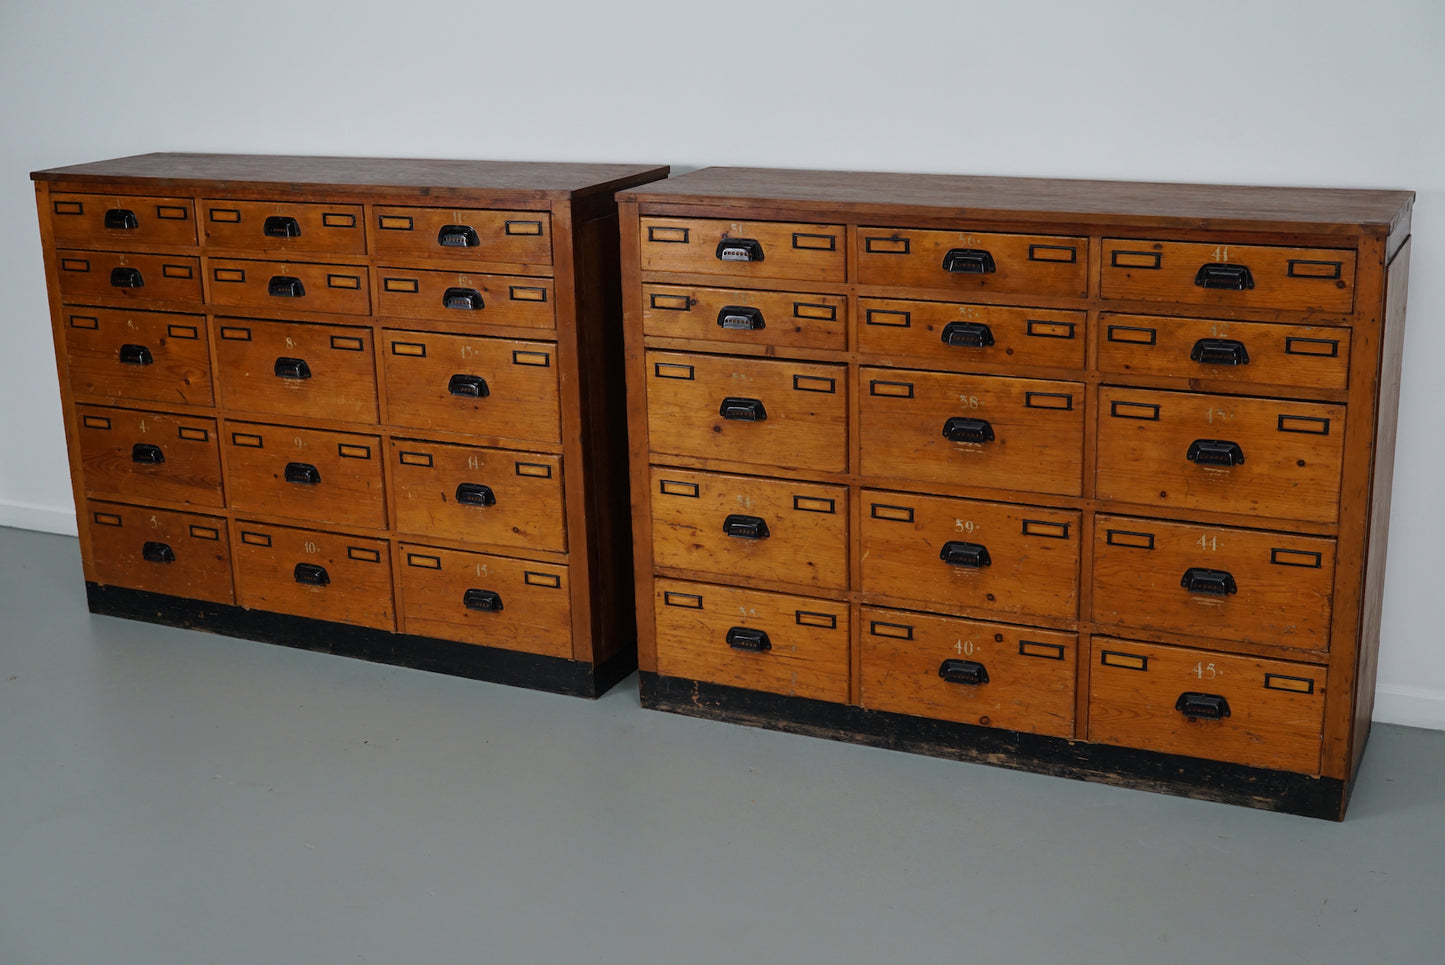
749,249
297,369
486,386
110,221
490,600
973,430
1229,276
1141,695
479,495
284,226
309,573
1266,457
119,278
144,456
762,529
514,237
1214,581
982,555
970,261
1308,356
290,287
178,554
748,411
990,674
738,317
469,298
964,335
782,644
145,356
305,474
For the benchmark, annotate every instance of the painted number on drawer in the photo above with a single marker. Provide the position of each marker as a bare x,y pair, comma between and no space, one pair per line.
1205,671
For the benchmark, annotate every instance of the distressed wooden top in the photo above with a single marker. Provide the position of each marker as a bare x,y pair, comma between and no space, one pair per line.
1084,202
535,178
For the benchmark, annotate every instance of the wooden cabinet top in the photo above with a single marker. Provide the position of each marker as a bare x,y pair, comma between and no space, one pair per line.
1193,206
352,174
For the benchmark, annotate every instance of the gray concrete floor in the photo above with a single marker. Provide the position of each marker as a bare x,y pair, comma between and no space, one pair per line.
177,797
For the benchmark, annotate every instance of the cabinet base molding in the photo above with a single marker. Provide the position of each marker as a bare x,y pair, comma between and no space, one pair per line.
1191,777
513,668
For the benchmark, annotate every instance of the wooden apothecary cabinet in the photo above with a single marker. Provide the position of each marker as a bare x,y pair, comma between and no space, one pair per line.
1079,477
364,406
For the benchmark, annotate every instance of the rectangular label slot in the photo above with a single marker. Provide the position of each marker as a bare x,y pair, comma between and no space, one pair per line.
1305,558
407,286
671,303
247,440
900,514
393,222
675,487
1294,685
362,554
415,458
807,618
194,435
539,359
536,469
898,631
343,281
353,452
1063,253
821,313
183,331
1036,527
228,275
1049,400
1304,268
423,561
106,519
205,532
886,246
1133,335
814,383
332,220
1134,410
813,242
1046,329
176,271
550,580
68,207
1320,347
1310,425
414,349
95,422
172,212
345,343
74,264
667,235
225,215
255,539
527,293
523,227
235,333
892,319
84,321
1048,651
897,390
691,601
1123,537
670,370
813,504
1136,259
1129,661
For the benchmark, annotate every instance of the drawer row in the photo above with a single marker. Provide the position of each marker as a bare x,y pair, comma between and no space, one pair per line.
490,386
466,493
105,221
1227,583
956,335
1174,699
1236,276
1181,450
120,278
449,594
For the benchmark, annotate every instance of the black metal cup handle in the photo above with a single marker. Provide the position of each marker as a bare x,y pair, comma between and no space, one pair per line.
1209,706
126,278
311,575
287,367
157,552
1199,579
131,354
147,454
969,261
974,556
747,638
967,335
488,601
468,386
1219,351
963,429
458,236
746,527
963,672
462,299
281,226
743,410
1215,452
285,286
1224,277
121,219
739,249
303,474
741,318
475,494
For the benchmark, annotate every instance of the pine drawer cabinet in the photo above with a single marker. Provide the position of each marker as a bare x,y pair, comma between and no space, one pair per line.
1085,478
355,405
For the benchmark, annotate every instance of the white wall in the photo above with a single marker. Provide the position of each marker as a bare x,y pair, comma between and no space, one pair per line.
1322,93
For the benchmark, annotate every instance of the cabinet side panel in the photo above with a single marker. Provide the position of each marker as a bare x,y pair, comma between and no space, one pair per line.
1391,355
604,405
629,232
